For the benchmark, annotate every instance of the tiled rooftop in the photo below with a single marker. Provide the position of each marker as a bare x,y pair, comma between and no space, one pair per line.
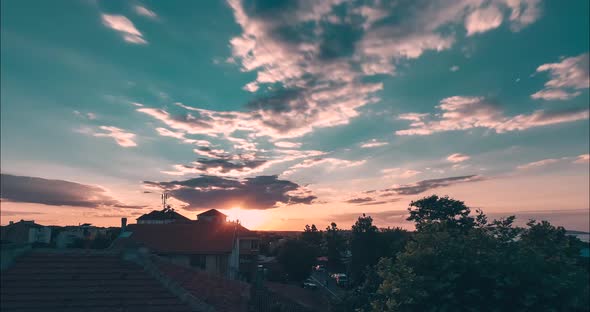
225,295
82,281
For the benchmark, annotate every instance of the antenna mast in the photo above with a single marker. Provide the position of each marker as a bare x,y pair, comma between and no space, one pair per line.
164,198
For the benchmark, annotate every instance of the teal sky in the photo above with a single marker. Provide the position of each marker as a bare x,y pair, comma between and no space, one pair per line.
284,113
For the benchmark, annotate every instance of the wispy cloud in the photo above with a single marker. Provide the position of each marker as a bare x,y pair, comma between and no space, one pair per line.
570,74
327,163
181,136
392,173
143,11
458,157
463,113
537,164
426,185
125,28
89,115
582,159
285,144
373,143
123,138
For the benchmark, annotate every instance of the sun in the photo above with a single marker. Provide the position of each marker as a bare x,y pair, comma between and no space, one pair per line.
251,219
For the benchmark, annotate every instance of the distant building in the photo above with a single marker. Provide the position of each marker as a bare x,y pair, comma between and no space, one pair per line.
164,216
26,232
210,243
69,235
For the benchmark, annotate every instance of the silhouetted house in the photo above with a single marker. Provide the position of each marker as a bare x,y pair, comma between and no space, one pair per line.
71,235
164,216
209,243
26,232
212,215
114,280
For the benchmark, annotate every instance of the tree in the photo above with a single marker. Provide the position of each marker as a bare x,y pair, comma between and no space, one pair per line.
297,258
435,210
364,247
312,236
334,246
456,262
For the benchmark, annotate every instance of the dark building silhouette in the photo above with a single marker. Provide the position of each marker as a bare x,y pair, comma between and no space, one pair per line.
25,232
209,243
164,216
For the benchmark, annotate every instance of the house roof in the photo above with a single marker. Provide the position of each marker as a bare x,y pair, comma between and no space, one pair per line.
18,232
195,237
212,213
165,214
82,281
223,294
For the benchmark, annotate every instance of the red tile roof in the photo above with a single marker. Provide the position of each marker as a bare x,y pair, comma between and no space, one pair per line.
195,237
82,281
223,294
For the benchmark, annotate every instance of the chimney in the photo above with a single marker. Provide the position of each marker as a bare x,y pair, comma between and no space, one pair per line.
123,224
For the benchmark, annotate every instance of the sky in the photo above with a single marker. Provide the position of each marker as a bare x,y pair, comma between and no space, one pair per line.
286,113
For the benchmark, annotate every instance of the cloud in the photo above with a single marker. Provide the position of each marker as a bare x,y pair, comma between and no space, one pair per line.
284,144
360,200
125,139
571,73
582,159
328,163
464,112
220,162
373,143
56,193
143,11
125,27
261,192
454,68
181,136
221,167
11,213
554,94
312,58
457,158
392,173
426,185
483,20
537,164
89,115
370,201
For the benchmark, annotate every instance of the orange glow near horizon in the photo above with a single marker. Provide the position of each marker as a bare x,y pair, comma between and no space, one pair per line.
251,219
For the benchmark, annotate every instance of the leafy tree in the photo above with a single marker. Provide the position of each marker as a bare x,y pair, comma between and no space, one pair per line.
456,262
334,246
391,241
297,257
312,236
435,210
364,247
